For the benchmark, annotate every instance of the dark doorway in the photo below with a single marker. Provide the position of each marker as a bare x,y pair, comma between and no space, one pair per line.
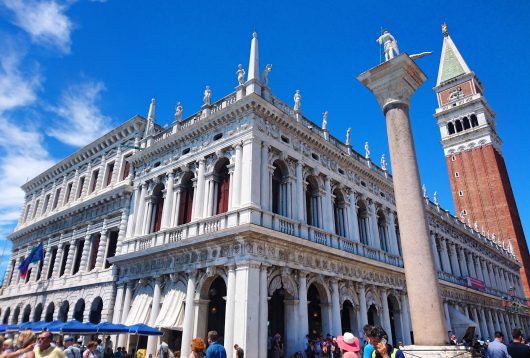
277,313
217,306
314,312
347,309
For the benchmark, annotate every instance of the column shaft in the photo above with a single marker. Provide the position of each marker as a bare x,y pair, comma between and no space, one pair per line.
189,310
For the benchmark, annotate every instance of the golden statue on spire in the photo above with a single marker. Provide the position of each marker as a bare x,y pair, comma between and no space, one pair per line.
444,29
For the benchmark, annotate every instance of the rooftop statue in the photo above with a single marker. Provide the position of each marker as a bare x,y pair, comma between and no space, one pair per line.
297,101
366,151
325,120
265,75
207,96
383,162
390,45
178,112
240,74
348,136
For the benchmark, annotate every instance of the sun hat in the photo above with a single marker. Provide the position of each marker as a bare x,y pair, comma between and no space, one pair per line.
349,342
68,339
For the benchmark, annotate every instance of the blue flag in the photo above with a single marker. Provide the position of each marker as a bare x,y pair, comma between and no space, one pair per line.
36,254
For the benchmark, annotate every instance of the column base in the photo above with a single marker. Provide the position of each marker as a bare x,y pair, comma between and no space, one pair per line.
435,351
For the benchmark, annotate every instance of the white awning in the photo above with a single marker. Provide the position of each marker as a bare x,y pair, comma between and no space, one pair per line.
140,309
460,322
172,312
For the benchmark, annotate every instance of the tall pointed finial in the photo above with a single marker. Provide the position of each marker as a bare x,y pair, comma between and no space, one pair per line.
253,63
150,126
444,29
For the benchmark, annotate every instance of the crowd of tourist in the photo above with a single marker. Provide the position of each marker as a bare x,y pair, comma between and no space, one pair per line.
373,344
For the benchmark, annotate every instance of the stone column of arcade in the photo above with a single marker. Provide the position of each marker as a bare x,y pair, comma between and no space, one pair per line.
393,83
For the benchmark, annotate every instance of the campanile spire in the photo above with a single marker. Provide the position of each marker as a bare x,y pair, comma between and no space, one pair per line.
253,84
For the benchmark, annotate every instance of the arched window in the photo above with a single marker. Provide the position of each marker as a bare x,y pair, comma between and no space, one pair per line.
458,126
221,182
63,311
49,312
94,248
15,315
467,125
26,314
79,310
157,201
339,212
280,189
363,221
186,198
450,128
95,310
474,121
312,202
37,314
7,313
383,232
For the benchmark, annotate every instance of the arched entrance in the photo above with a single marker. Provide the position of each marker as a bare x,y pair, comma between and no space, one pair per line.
373,316
95,310
15,315
7,312
217,306
277,313
395,319
79,310
347,318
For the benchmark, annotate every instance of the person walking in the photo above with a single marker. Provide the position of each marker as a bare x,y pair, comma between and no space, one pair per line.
70,350
517,349
215,349
197,348
349,345
368,349
379,340
497,349
91,350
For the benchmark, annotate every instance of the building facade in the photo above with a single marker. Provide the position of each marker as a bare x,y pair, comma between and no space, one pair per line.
250,219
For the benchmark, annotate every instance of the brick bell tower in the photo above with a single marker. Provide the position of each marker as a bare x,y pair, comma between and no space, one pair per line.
480,184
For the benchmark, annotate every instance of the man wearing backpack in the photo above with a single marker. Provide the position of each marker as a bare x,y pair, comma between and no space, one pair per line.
70,350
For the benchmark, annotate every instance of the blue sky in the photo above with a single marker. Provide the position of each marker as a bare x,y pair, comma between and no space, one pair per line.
71,70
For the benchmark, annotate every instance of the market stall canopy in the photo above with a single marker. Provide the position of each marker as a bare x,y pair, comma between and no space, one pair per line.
111,328
144,330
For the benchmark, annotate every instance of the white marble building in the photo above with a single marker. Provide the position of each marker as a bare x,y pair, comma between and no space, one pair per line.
248,218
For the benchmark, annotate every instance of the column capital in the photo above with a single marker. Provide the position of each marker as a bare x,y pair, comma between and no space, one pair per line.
394,82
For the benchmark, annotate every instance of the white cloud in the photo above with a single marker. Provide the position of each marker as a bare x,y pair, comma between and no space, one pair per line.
81,120
15,89
44,21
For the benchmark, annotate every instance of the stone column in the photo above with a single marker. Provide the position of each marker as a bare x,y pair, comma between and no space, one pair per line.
139,216
353,229
363,311
471,265
446,263
189,313
447,317
478,331
327,208
56,264
230,308
392,237
198,200
386,314
374,231
393,83
504,326
300,198
303,322
125,313
264,313
454,260
478,268
483,325
265,178
83,265
133,211
121,234
463,260
10,268
292,333
118,302
437,265
486,273
247,313
497,322
168,202
250,184
102,249
336,327
489,322
405,319
155,309
70,259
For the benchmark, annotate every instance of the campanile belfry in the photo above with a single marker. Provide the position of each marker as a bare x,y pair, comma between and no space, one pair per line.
480,184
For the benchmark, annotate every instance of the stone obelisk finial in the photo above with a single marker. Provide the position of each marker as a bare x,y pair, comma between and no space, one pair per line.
150,126
253,84
393,83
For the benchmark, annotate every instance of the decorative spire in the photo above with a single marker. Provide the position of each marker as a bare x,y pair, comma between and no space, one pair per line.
452,63
253,63
444,29
150,126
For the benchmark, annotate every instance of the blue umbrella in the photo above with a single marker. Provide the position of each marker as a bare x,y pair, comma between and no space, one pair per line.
74,326
3,328
39,326
144,330
12,327
24,326
55,326
109,327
